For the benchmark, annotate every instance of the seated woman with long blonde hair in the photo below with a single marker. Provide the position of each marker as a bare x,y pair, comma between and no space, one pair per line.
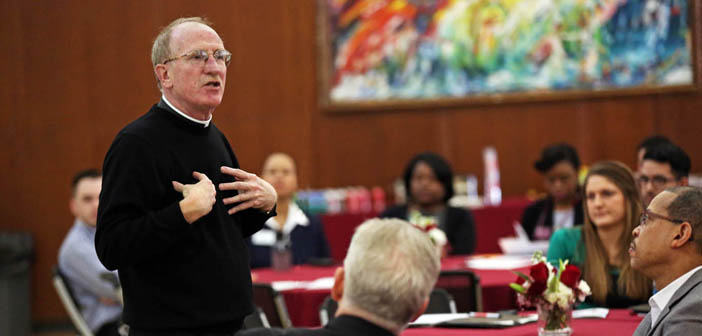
600,247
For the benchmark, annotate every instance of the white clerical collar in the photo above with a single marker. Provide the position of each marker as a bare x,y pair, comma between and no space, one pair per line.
204,123
295,217
661,299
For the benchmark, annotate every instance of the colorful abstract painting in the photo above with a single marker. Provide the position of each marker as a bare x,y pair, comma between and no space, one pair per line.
423,49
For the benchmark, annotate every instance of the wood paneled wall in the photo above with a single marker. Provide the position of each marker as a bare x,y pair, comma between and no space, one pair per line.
72,73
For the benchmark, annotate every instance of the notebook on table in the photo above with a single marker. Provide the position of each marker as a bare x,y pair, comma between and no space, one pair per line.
473,320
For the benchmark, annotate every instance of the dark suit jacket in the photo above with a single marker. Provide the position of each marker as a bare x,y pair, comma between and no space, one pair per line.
308,242
344,325
682,315
460,227
541,213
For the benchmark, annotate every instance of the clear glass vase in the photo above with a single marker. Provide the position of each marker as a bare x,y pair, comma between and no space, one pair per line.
554,320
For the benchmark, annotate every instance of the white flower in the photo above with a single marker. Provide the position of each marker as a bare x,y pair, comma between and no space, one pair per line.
437,236
563,296
428,225
538,257
584,290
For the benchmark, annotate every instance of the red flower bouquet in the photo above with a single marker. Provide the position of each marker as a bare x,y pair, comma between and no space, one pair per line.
553,291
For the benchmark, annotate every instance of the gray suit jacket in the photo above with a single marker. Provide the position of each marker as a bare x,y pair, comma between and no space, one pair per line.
682,315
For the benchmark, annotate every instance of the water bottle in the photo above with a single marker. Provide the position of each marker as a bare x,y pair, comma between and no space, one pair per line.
472,191
493,192
281,253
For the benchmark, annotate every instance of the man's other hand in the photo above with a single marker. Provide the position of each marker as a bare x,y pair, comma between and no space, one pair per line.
254,192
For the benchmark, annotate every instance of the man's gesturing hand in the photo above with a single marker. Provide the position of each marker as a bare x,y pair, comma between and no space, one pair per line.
198,198
254,192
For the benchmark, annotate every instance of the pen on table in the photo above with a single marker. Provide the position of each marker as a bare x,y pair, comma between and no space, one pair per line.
485,315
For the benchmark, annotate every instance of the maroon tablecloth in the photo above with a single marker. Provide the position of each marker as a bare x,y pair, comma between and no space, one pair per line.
618,322
492,223
303,304
339,229
495,222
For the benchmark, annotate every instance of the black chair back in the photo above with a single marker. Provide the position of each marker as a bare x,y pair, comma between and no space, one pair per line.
272,304
257,319
440,302
68,299
464,287
327,310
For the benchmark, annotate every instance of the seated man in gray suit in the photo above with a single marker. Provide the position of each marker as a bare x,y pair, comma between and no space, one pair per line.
667,248
388,274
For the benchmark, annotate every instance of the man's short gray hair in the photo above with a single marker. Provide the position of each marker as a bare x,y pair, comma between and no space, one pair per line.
161,49
390,269
687,206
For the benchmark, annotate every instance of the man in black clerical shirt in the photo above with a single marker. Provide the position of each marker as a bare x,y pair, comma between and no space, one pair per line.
388,274
175,209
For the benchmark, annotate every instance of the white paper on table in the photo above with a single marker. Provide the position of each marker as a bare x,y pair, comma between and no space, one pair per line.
498,262
590,313
517,246
433,319
321,283
521,244
287,285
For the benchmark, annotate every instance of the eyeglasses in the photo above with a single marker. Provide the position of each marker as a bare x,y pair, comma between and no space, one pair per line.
647,214
658,181
200,57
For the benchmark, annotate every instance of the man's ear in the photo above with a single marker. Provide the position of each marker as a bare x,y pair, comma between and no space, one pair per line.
163,75
337,291
682,235
72,206
421,310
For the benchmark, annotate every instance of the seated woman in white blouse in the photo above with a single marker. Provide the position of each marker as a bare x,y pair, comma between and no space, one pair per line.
304,233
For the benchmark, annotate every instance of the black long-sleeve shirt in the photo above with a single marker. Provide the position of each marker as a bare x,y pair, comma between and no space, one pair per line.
174,275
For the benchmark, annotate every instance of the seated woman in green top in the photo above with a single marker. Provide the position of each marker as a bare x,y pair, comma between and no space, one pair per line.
600,246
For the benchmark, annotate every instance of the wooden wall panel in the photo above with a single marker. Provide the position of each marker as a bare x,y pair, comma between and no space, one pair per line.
75,72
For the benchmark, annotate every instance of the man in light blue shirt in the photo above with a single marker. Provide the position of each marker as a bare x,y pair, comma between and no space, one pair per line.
78,261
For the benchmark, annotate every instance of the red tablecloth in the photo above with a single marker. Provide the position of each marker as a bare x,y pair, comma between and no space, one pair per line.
303,304
495,222
618,322
339,229
492,223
